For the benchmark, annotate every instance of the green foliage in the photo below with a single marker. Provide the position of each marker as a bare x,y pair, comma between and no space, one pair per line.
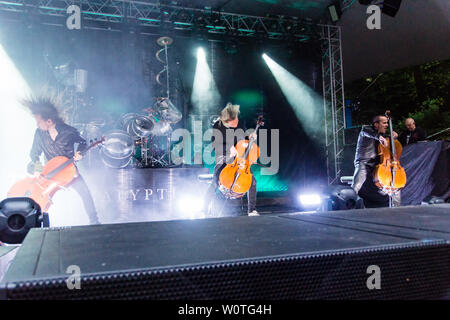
420,92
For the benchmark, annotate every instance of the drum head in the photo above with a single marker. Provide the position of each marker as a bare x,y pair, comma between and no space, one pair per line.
142,126
167,110
118,145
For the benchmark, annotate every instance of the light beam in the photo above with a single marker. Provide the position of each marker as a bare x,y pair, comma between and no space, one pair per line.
306,103
205,96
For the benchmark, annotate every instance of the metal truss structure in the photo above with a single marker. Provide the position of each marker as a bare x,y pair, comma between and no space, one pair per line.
333,99
112,13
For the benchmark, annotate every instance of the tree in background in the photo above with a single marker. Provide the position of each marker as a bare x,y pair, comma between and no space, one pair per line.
420,92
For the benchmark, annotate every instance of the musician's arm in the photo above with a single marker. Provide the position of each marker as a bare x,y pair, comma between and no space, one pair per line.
82,144
36,149
35,154
368,132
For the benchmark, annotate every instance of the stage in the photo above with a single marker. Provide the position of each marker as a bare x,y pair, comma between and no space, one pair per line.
299,255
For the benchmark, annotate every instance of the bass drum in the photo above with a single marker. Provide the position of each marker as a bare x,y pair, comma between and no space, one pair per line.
118,149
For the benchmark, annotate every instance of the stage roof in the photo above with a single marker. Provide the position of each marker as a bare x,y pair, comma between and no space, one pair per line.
419,32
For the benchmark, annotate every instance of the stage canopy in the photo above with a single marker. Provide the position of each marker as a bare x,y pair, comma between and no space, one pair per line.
417,34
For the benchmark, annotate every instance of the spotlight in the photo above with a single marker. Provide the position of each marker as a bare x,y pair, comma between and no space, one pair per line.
434,200
390,7
17,217
310,199
201,53
191,206
343,198
335,11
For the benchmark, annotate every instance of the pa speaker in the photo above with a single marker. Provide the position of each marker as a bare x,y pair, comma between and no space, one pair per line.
266,257
390,7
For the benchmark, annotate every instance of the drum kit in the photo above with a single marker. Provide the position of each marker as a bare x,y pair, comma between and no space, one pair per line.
142,140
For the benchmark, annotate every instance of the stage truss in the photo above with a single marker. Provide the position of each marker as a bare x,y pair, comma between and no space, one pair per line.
160,18
333,100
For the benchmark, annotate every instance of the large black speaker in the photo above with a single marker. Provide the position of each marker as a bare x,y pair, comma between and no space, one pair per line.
292,256
390,7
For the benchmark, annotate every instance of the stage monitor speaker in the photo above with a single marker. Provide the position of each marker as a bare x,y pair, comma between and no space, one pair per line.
266,257
390,7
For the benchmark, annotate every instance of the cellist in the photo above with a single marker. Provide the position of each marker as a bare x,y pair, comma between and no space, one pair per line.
366,159
227,131
55,138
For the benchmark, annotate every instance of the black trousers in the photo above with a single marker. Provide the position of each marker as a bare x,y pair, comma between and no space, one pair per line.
365,188
210,194
80,186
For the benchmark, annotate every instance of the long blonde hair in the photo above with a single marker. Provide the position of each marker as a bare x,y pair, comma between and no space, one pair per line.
230,112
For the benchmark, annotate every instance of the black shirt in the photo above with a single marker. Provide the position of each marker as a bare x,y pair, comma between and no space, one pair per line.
62,146
223,138
408,137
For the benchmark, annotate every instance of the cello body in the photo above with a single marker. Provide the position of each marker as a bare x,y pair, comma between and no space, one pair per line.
42,188
57,173
240,168
384,170
389,175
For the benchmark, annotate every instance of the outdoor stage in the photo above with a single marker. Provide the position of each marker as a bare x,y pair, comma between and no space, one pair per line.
302,255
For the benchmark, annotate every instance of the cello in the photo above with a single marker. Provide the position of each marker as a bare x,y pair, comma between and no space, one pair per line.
389,175
57,173
236,178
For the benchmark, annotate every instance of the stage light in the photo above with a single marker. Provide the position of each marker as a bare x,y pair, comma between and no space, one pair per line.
17,125
201,54
17,217
343,198
335,11
434,200
307,104
310,200
190,206
205,96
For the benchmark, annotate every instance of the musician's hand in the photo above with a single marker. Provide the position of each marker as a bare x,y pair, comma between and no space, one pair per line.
383,141
233,152
77,156
395,134
253,135
38,167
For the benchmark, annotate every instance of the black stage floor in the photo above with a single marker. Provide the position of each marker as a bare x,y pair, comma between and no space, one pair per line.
106,249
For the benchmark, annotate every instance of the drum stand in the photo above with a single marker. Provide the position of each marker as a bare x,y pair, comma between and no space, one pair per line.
144,150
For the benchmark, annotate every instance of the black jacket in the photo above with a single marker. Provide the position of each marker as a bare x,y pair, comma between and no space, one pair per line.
417,135
367,147
62,146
